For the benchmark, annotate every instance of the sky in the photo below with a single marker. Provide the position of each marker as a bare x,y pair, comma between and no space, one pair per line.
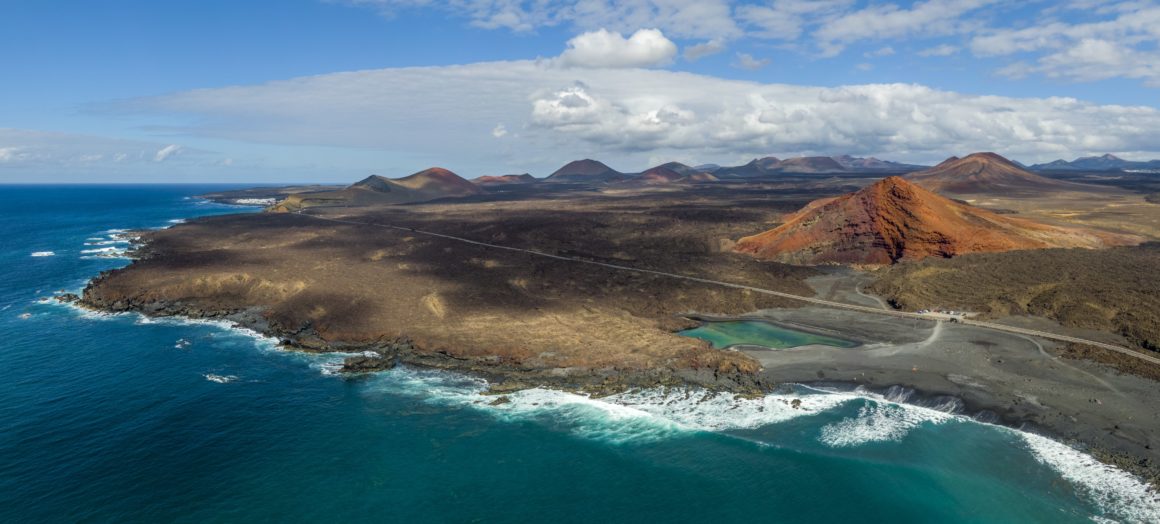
334,90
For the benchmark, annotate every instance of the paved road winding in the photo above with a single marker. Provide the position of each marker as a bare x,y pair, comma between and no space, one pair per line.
790,296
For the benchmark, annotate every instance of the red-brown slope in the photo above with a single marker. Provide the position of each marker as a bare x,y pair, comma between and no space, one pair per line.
492,180
983,173
658,175
895,220
437,182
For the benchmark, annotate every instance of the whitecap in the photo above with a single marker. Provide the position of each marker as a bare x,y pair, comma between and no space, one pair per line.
177,221
708,411
25,316
101,250
1117,493
43,253
879,422
220,379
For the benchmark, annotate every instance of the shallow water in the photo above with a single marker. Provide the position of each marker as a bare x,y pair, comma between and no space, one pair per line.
116,418
723,334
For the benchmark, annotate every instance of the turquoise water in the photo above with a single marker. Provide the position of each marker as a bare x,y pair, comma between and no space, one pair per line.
757,333
110,419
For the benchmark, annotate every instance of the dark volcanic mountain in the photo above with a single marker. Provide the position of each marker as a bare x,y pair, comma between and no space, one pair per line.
586,170
895,220
683,169
853,163
983,173
808,164
755,168
429,184
658,175
666,174
1097,163
492,180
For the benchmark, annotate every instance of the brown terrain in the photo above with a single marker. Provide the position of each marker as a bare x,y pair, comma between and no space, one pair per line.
325,286
429,184
984,173
894,220
1115,290
505,179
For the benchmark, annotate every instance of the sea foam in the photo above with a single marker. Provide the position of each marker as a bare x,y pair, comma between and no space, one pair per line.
1120,495
43,253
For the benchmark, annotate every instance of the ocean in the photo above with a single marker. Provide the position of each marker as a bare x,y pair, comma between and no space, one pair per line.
119,418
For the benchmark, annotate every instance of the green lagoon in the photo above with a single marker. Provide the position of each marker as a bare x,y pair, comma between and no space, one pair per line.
758,333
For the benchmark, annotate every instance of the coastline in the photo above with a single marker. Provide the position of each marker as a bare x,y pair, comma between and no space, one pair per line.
1012,406
924,390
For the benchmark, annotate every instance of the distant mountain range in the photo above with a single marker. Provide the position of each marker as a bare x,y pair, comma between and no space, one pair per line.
1098,163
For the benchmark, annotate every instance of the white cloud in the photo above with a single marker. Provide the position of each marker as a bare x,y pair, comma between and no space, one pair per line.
164,153
939,50
703,19
10,154
1124,46
698,51
499,131
864,66
880,52
747,61
31,149
605,49
626,116
789,19
890,21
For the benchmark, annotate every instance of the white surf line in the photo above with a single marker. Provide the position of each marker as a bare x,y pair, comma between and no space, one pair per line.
811,300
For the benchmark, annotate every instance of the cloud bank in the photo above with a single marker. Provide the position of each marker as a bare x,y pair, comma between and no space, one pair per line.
551,114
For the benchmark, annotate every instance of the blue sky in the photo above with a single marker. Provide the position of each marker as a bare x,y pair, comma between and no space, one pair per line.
313,90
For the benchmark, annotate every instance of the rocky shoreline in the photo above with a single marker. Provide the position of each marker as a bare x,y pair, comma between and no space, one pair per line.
387,353
505,378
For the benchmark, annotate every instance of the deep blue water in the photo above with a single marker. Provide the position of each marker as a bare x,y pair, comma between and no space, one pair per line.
111,419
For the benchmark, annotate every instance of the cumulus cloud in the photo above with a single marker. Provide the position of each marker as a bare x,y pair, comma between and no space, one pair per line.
499,131
606,49
626,116
749,62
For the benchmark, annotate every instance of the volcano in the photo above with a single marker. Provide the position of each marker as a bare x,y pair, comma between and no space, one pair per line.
586,170
895,220
982,173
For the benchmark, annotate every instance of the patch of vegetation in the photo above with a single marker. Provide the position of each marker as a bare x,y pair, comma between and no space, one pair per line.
1153,198
1115,290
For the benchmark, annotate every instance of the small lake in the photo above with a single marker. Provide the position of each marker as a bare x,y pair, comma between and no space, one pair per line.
758,333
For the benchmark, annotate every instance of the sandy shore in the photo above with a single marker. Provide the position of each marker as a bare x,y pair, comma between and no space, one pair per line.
1004,378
